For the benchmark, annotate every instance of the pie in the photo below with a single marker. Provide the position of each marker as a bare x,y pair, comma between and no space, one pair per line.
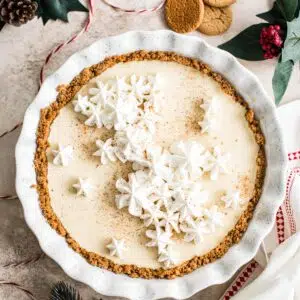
149,164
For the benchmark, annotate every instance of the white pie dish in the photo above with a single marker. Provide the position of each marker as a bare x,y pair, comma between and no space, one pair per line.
106,282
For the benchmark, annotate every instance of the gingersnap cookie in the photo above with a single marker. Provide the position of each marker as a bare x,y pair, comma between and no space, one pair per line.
184,15
219,3
216,20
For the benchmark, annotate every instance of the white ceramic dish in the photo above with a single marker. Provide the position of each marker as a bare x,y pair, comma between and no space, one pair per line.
106,282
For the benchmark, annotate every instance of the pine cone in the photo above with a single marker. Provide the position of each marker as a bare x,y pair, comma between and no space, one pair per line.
17,12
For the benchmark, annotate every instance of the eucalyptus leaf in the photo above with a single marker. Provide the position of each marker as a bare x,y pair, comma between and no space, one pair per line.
58,9
287,8
281,78
291,49
273,16
246,44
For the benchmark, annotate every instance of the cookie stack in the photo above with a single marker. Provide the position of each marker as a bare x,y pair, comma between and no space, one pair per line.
211,17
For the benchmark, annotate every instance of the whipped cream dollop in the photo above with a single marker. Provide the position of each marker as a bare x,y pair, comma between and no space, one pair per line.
207,124
165,188
167,257
116,247
152,215
214,217
63,155
232,199
134,193
83,187
106,151
218,163
159,238
195,230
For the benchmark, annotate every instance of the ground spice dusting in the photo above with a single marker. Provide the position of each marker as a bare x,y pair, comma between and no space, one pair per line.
192,120
67,93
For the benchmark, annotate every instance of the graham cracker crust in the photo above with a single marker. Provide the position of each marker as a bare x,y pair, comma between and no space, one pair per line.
67,93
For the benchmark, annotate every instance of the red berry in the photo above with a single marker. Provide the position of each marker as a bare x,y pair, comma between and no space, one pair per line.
271,41
277,34
278,43
277,27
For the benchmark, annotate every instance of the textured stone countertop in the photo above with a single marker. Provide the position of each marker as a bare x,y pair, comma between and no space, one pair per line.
23,51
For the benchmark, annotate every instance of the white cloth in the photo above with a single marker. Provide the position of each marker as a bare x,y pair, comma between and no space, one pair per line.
278,278
281,278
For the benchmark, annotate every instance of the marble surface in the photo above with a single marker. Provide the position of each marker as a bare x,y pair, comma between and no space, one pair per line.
23,51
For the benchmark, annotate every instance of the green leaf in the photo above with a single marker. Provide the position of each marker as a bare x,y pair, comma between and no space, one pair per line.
1,24
281,78
273,16
58,9
297,10
246,44
287,8
291,50
64,291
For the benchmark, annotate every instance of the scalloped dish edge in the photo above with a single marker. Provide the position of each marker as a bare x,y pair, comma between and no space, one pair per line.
104,281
